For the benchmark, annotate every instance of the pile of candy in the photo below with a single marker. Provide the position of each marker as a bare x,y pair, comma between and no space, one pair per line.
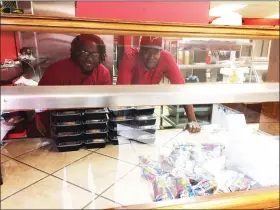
182,173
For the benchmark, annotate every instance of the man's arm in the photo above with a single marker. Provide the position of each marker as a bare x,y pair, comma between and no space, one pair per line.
125,70
174,75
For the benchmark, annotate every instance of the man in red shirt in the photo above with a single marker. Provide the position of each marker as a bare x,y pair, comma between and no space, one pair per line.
83,67
148,65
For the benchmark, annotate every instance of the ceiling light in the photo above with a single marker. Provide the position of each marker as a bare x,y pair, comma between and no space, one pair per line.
276,16
224,9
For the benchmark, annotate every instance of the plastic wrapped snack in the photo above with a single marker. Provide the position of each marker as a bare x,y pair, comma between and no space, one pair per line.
240,183
150,169
184,188
161,190
205,187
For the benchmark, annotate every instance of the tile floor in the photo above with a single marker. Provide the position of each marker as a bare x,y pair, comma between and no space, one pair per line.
36,176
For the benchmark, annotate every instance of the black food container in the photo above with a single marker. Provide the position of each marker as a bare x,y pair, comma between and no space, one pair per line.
115,139
96,114
67,137
95,135
121,111
88,125
95,143
125,121
144,120
144,110
62,127
66,116
69,146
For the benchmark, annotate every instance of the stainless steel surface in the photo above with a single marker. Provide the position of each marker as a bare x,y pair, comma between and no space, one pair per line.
44,97
54,8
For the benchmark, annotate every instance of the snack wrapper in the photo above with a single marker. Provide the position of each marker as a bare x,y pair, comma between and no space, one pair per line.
241,183
161,190
205,187
184,189
150,169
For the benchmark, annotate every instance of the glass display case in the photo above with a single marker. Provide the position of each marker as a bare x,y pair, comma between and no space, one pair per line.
124,156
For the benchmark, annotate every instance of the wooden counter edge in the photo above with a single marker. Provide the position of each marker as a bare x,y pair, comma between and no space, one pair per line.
265,198
105,26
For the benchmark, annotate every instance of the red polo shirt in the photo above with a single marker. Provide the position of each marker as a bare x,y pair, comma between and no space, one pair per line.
133,71
67,72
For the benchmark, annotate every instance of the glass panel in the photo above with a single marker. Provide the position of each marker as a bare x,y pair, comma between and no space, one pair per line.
178,61
135,155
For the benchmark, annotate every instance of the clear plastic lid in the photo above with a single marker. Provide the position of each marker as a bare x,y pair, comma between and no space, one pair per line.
99,111
72,123
65,113
145,117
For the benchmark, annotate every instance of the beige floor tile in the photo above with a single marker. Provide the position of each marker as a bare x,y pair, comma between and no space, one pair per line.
132,189
4,158
101,203
17,176
128,152
49,160
95,172
92,150
49,193
19,147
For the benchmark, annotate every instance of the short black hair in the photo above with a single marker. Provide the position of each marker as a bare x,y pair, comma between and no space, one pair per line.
77,43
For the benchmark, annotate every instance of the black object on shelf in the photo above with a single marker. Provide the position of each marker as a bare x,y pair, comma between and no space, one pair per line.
144,111
63,127
66,116
119,112
69,146
96,114
67,137
95,143
88,125
144,120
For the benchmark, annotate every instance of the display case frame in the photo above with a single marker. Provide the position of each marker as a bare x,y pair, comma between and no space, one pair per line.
18,98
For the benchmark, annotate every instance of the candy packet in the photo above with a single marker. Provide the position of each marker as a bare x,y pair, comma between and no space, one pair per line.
184,188
205,187
161,190
241,183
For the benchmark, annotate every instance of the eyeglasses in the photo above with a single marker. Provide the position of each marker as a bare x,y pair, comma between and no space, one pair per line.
92,55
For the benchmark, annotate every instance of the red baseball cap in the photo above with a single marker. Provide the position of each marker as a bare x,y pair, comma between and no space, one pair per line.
151,42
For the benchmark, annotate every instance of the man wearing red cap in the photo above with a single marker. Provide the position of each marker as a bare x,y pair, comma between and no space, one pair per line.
148,65
83,67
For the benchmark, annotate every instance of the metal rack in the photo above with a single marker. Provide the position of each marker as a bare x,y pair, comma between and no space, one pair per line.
226,45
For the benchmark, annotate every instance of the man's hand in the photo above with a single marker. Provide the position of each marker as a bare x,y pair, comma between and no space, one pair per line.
192,127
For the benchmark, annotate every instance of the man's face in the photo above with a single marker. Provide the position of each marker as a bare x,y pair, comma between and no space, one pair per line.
88,57
150,57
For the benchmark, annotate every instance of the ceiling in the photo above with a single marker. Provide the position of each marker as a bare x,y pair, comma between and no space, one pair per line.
255,9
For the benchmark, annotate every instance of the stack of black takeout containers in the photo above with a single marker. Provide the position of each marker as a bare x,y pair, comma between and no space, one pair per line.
134,123
72,129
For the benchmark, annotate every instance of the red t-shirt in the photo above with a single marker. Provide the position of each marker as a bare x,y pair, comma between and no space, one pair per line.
67,72
133,71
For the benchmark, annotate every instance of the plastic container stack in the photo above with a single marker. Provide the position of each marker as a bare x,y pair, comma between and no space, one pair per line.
72,129
134,123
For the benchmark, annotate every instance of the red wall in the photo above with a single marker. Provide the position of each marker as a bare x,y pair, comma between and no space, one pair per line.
187,12
261,21
256,21
8,46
